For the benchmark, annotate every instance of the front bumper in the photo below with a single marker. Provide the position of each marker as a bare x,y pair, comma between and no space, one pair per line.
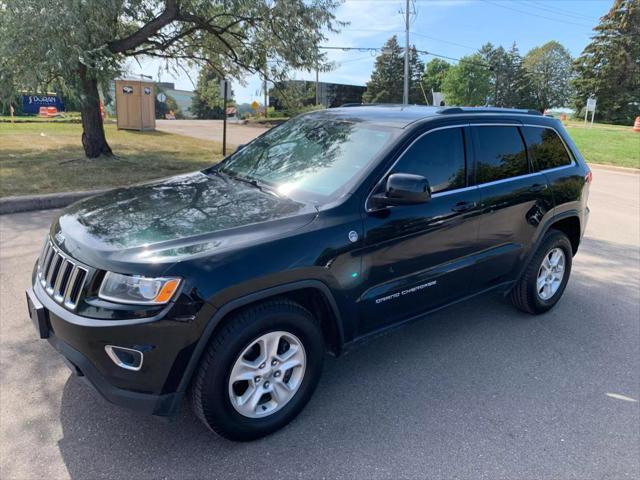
167,346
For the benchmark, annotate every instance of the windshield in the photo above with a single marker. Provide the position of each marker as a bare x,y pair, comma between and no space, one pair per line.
309,158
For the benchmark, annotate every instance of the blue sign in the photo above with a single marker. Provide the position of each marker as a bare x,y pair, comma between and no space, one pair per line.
32,103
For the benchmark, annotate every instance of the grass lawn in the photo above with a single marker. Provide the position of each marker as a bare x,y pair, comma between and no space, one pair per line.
48,157
607,144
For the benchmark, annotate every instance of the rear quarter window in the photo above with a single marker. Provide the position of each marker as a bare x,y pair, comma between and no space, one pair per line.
546,148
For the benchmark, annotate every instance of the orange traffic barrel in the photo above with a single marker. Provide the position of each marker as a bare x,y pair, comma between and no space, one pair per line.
636,125
42,112
52,111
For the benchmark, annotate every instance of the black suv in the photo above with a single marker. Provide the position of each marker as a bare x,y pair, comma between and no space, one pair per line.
229,285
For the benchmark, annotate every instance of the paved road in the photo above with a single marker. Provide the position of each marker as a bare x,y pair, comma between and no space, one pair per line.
212,130
476,391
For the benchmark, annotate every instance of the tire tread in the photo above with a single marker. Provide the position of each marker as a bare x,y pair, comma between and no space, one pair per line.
236,322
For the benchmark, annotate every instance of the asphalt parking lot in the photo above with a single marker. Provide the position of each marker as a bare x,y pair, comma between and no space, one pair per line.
476,391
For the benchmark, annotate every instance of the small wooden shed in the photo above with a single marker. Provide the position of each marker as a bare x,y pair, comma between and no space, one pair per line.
135,104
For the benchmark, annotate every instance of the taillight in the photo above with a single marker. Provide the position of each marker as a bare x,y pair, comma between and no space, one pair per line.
588,177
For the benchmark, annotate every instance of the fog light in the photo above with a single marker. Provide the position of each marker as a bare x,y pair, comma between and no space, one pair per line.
126,358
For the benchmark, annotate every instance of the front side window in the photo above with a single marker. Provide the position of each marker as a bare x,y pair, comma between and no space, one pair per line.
500,153
310,158
439,157
545,148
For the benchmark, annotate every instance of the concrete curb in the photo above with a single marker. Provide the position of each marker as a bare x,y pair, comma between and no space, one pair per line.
28,203
613,168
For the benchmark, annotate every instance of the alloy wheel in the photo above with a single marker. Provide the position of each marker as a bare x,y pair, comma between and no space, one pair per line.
551,273
267,374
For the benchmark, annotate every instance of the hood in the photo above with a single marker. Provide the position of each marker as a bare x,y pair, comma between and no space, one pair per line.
181,216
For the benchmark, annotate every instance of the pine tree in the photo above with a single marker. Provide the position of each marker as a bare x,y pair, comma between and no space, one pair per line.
609,67
510,85
385,85
416,68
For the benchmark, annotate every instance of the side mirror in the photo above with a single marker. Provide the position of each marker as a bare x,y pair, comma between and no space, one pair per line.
404,189
240,147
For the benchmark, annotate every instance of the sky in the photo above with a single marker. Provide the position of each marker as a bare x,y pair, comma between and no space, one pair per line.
452,28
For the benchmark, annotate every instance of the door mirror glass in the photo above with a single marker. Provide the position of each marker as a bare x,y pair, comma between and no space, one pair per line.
404,189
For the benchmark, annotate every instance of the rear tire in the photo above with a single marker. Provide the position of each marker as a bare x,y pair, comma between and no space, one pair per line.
244,347
540,287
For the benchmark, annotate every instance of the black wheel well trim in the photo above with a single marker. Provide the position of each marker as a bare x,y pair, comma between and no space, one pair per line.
545,228
237,303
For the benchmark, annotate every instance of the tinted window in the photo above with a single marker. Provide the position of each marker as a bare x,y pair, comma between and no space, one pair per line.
439,157
500,152
546,148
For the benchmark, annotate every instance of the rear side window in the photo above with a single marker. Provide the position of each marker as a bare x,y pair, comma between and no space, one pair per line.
500,153
439,157
546,148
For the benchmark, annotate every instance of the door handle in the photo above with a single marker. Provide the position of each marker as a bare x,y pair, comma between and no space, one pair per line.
538,187
463,206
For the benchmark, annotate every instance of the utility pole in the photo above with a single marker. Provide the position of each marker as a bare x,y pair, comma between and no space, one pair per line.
317,86
266,96
405,93
225,97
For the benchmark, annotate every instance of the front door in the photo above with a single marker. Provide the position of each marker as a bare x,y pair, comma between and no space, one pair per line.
418,257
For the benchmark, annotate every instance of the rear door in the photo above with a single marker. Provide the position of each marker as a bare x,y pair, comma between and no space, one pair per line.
417,257
513,197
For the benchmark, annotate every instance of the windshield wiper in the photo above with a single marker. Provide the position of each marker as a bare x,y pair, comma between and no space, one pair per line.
255,183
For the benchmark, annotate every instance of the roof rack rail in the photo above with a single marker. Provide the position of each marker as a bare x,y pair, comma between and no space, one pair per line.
455,110
358,105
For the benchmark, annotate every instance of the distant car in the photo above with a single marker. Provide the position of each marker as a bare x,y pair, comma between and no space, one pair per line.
229,285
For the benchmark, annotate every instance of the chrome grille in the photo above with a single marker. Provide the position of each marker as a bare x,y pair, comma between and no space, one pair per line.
60,276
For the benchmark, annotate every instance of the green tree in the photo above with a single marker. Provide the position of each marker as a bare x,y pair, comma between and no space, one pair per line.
549,69
387,80
88,42
510,85
207,101
468,83
385,85
293,96
416,69
609,67
433,76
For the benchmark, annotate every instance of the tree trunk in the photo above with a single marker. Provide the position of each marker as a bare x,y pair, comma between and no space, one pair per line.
93,138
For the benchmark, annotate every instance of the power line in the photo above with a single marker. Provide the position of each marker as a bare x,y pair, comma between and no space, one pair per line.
537,15
561,11
444,41
426,52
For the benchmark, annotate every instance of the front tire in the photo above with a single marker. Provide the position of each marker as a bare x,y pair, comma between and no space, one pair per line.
544,280
259,370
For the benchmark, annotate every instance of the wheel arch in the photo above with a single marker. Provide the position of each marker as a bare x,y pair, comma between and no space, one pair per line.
565,222
570,226
311,294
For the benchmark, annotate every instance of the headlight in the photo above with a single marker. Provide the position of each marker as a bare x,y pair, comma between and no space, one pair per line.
137,290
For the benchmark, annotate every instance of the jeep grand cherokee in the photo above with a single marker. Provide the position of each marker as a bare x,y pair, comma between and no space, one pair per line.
228,285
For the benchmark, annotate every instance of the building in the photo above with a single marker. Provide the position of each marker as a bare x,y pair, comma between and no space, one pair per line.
182,97
330,94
